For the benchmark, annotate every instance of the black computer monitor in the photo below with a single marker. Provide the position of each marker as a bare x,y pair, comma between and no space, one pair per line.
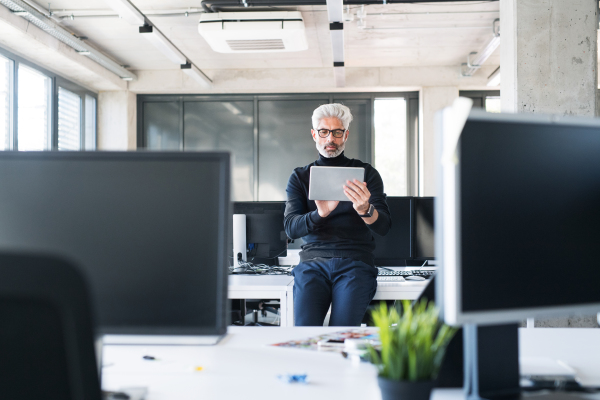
149,231
423,228
520,219
519,233
394,249
266,239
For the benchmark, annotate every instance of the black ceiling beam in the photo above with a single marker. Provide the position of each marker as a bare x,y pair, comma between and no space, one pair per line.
212,5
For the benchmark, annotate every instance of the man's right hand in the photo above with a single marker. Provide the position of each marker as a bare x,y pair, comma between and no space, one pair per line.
325,207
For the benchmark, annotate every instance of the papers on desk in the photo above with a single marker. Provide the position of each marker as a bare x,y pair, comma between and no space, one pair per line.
328,341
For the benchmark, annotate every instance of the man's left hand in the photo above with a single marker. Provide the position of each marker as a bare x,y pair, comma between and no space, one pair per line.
359,195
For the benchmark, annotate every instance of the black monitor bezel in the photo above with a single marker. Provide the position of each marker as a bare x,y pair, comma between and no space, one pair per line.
223,213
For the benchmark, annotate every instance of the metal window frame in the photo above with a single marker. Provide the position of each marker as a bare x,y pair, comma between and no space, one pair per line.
412,119
479,96
55,81
11,102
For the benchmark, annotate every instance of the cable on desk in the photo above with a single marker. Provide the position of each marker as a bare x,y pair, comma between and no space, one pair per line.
249,268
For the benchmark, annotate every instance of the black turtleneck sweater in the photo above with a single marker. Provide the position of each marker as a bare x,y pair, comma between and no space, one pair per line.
342,233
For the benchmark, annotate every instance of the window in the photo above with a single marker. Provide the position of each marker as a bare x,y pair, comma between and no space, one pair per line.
391,144
43,111
489,100
6,66
34,110
69,120
492,104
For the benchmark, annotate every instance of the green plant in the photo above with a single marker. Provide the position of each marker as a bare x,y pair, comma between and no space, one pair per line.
412,344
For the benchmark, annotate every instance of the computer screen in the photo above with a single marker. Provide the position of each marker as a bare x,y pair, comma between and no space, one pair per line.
149,231
521,219
266,239
423,228
394,248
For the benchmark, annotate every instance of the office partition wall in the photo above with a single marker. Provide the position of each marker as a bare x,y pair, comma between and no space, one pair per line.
269,135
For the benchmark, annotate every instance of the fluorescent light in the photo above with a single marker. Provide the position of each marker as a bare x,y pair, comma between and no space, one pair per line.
192,71
127,11
23,9
337,44
163,44
481,56
335,10
494,78
340,76
84,52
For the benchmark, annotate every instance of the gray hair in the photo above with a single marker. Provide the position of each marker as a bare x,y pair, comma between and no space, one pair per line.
335,110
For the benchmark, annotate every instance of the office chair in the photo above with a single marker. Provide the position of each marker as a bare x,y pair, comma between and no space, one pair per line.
46,331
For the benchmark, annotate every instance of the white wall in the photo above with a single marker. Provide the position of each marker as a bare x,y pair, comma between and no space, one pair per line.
117,120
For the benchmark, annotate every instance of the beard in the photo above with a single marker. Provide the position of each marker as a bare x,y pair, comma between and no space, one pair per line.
331,153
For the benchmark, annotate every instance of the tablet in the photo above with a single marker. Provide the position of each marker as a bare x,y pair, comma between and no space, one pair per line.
326,183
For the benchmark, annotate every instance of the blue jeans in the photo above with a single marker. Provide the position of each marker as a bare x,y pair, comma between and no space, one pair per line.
348,285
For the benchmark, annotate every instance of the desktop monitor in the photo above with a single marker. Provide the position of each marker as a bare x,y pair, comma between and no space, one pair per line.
520,218
394,249
423,229
266,239
149,230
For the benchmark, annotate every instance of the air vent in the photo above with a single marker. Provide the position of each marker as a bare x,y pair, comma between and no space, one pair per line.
256,45
253,31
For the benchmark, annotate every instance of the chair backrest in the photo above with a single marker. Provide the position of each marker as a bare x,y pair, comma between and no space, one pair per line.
46,331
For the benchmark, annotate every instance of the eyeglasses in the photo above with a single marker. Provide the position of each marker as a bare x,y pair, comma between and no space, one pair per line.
337,133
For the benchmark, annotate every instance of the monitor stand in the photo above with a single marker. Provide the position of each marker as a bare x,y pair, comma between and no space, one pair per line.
491,361
491,366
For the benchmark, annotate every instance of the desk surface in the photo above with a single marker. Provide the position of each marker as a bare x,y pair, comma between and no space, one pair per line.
244,366
260,282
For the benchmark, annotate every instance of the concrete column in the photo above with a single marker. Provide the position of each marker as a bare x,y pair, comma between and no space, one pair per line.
117,120
549,56
431,99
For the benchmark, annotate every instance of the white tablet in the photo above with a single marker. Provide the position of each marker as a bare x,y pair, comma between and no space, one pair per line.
326,183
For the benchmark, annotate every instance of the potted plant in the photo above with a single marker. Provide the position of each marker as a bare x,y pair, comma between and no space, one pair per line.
412,349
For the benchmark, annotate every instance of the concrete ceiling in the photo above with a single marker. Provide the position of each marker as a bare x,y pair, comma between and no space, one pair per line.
399,35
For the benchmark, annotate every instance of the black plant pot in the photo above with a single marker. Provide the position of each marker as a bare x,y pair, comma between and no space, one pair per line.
404,390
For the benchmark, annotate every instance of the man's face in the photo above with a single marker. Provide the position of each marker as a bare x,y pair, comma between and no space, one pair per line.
330,146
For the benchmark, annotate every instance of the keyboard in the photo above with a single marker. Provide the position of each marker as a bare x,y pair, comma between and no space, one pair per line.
424,273
390,279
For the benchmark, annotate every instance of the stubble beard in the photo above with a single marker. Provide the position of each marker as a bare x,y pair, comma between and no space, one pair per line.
331,153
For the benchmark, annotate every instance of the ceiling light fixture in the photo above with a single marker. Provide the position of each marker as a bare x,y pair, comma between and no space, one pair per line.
40,20
195,73
335,12
472,65
127,11
163,44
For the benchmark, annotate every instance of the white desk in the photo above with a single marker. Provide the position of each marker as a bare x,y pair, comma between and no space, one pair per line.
265,287
282,287
244,367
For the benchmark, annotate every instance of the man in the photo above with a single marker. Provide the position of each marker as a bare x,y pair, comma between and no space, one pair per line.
337,263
